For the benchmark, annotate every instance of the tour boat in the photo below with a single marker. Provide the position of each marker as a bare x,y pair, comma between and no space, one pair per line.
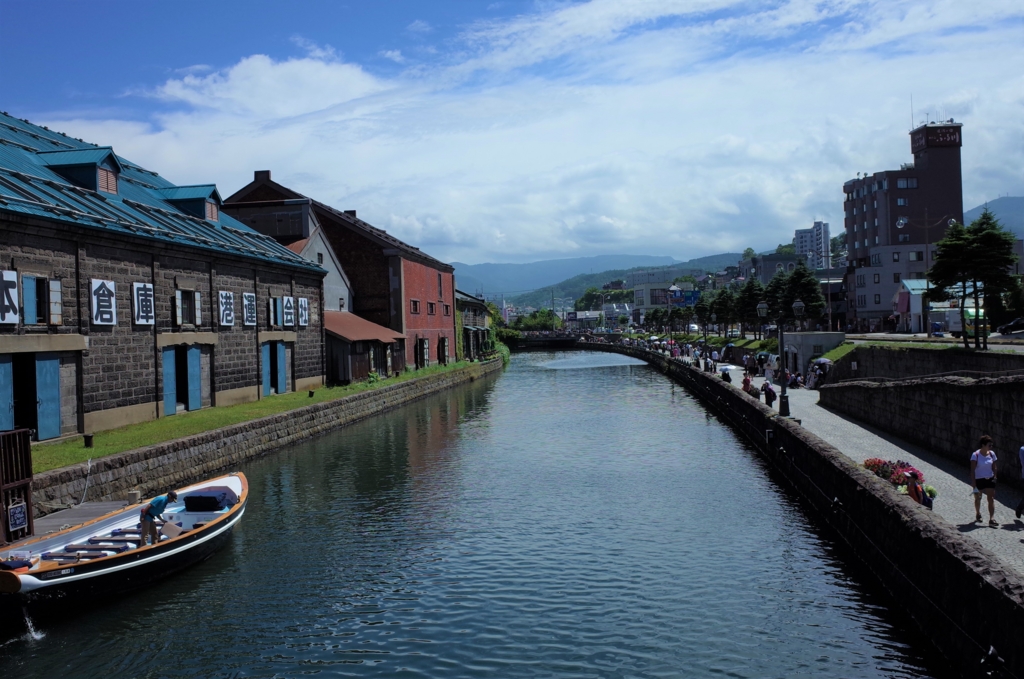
104,557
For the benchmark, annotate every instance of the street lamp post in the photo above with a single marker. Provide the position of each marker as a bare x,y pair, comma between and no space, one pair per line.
903,222
798,311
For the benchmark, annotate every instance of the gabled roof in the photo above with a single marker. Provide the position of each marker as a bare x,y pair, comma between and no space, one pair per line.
93,156
194,192
29,186
266,191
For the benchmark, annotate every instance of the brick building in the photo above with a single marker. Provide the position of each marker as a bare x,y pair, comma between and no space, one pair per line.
127,298
894,218
394,284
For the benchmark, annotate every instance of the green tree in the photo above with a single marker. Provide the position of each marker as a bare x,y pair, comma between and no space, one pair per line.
542,319
837,248
623,320
977,259
802,284
748,253
724,307
702,310
786,249
749,297
775,294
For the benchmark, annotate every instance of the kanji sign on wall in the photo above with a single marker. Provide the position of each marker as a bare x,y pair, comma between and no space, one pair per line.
143,309
227,307
289,312
103,302
303,311
9,309
248,308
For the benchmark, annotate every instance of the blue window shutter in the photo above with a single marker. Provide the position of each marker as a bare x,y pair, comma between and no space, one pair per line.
282,373
195,373
29,315
265,361
47,396
278,311
170,382
6,392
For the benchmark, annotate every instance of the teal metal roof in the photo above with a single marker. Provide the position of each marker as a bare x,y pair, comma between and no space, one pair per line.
29,186
78,157
197,191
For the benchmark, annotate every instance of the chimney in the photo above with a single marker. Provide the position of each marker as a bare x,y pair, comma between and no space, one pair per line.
350,213
261,175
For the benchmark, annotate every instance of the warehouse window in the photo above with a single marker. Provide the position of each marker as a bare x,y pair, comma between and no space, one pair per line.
431,308
212,213
415,306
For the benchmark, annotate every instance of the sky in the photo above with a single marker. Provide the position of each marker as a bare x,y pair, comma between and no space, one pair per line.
521,131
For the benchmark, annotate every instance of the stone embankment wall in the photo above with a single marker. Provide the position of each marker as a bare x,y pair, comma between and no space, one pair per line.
155,469
946,415
961,595
899,363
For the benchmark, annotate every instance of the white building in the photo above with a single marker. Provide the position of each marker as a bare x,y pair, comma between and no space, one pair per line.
814,242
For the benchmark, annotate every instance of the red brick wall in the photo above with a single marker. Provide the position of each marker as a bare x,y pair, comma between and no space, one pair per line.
420,282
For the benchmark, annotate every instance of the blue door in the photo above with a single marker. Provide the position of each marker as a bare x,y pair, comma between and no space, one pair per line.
195,394
6,392
170,382
265,363
282,375
47,396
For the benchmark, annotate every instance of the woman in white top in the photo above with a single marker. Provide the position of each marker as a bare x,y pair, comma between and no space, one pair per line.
769,371
983,479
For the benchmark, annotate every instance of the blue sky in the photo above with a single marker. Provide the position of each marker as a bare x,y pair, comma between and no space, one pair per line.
517,131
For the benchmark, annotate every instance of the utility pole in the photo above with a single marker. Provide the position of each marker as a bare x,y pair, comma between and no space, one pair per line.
553,328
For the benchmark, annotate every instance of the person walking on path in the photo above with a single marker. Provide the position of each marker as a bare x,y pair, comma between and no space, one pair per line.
1020,505
983,478
769,372
150,513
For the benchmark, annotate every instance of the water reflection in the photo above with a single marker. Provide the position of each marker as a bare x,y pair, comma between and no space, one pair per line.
553,522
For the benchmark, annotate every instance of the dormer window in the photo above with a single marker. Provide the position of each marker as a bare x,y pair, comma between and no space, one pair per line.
212,213
107,180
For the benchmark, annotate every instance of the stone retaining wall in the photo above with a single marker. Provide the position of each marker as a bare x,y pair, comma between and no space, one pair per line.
961,595
155,469
946,415
903,363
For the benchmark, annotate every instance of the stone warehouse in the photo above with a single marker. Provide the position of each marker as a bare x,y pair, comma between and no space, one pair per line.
394,284
125,298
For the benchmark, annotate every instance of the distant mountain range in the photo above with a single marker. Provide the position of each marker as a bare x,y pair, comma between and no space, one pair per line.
513,279
1009,210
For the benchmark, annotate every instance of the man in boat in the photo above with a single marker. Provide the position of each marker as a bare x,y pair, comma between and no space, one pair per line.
152,512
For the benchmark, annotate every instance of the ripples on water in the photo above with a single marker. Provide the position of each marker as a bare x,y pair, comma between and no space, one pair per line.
581,516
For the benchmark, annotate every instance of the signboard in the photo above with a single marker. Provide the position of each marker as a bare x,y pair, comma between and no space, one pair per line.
924,137
9,311
102,296
143,306
570,315
685,298
17,517
226,307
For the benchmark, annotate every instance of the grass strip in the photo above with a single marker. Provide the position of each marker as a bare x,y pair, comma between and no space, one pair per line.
46,456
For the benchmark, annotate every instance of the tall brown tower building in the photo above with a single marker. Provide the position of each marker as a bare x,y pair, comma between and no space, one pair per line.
922,197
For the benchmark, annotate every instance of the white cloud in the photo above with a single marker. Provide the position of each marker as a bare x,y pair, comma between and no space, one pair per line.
682,128
393,55
419,26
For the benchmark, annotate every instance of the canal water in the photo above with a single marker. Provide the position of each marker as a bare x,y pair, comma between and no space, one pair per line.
578,516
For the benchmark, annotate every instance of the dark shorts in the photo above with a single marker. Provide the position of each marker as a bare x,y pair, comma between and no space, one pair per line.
985,483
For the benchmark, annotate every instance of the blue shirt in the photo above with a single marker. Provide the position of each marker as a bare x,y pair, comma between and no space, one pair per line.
156,507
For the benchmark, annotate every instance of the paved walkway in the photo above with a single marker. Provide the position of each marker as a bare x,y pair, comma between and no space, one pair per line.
954,502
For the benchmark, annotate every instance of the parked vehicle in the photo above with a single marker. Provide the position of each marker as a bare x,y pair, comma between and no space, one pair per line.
1016,325
733,333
